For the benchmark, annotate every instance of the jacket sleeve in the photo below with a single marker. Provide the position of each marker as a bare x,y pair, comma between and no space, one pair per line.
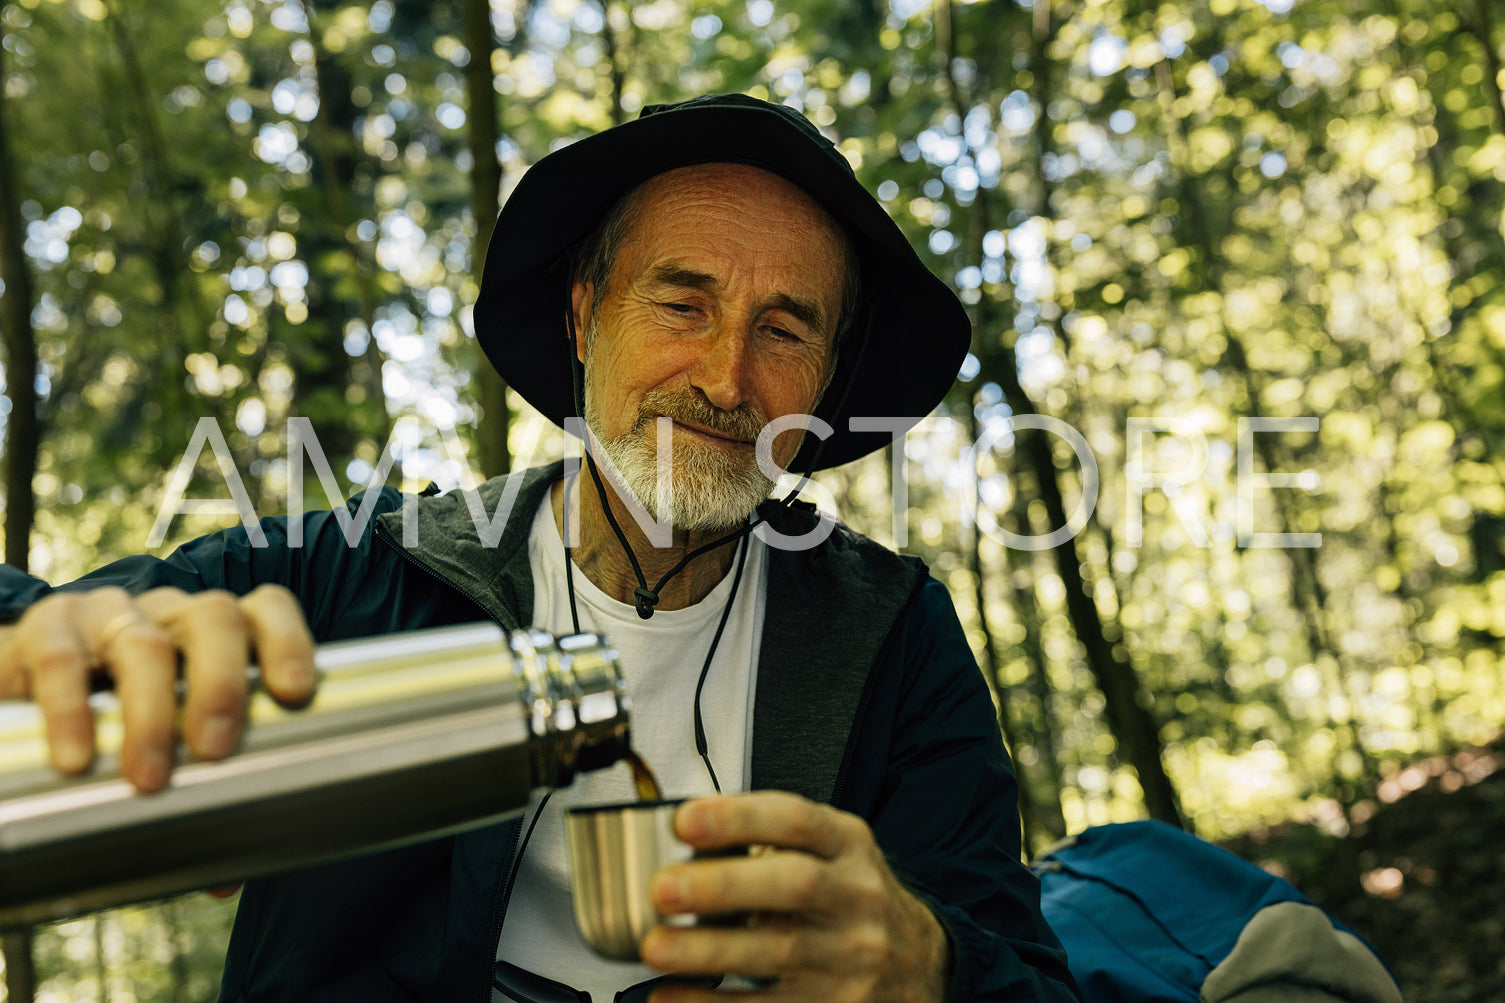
947,817
228,560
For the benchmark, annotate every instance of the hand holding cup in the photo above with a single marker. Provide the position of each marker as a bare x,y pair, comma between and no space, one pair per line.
832,921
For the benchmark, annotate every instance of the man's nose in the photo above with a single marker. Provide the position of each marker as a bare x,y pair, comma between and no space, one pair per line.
721,372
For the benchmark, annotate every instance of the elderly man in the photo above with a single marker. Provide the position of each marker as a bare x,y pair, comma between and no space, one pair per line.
701,285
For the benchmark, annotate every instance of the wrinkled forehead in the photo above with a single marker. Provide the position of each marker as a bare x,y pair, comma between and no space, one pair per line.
741,197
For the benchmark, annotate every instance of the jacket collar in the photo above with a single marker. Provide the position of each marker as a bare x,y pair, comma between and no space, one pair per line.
477,541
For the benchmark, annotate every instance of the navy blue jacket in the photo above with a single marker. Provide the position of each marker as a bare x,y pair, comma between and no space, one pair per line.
867,698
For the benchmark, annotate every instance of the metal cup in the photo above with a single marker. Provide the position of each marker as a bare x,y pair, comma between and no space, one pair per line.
615,849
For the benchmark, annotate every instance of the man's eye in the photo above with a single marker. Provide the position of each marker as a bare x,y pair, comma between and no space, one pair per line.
678,307
783,335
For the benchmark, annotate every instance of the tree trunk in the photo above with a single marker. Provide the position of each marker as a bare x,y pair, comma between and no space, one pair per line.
21,427
1027,812
1051,817
615,56
1134,728
485,185
331,374
1127,704
20,970
164,236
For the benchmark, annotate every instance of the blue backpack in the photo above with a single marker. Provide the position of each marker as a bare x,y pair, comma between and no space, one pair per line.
1150,914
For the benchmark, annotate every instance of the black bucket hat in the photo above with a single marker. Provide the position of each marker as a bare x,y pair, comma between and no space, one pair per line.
916,330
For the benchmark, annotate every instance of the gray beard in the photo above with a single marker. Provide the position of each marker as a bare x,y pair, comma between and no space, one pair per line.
709,488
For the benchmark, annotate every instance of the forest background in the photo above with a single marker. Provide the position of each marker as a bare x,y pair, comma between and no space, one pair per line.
1193,211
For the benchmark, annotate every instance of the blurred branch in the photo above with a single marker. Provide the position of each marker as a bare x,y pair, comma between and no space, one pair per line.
177,963
160,179
1050,817
1043,815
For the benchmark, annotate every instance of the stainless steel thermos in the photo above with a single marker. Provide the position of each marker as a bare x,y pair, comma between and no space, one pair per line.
408,737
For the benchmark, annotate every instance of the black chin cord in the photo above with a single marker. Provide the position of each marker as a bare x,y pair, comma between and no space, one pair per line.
701,746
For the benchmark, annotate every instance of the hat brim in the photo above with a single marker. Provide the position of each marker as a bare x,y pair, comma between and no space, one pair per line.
916,330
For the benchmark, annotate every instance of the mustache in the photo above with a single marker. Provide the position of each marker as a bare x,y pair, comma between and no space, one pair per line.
691,406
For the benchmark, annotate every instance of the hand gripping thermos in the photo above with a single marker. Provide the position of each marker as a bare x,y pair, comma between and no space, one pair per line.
408,737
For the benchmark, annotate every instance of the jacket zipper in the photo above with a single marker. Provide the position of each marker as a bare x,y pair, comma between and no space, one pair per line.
501,891
502,887
867,689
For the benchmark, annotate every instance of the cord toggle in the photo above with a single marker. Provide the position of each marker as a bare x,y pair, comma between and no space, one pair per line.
646,600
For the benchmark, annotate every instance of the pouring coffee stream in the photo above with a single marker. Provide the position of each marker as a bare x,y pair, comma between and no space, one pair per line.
643,780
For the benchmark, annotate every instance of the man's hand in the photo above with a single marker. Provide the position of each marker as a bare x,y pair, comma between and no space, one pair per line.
832,921
49,654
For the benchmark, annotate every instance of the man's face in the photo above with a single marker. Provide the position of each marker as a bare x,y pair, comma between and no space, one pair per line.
719,314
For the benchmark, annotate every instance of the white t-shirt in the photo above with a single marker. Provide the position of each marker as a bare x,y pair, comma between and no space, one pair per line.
661,659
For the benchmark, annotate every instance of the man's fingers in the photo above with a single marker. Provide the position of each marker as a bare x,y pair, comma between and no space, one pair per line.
50,652
54,653
785,882
773,818
143,659
284,645
15,684
218,633
213,637
58,642
771,949
216,641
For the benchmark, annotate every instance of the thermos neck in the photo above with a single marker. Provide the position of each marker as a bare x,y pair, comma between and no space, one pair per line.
576,702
